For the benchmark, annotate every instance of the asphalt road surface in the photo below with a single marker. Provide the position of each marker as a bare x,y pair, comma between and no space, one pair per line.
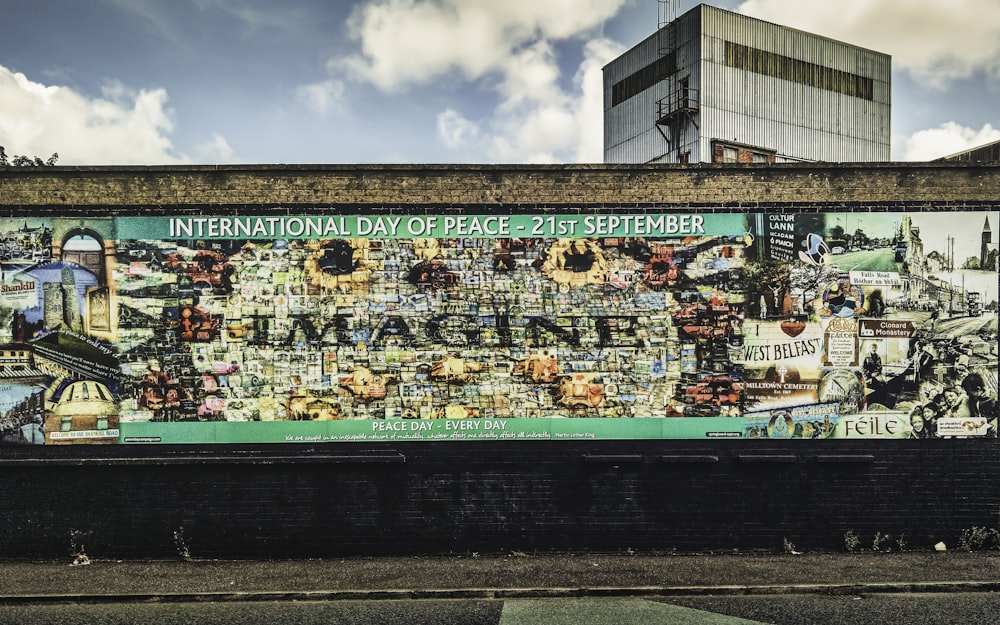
866,260
884,609
881,609
965,326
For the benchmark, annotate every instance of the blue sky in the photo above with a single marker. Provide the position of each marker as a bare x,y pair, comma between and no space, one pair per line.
418,81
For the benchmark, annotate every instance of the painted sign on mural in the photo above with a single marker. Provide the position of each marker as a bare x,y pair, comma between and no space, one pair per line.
586,326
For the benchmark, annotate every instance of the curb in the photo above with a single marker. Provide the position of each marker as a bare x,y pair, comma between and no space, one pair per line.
489,594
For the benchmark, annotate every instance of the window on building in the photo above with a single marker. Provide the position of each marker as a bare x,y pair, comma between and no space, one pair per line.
66,424
643,79
102,423
730,155
802,72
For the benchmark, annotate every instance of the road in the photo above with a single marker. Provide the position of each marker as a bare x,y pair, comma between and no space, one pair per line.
967,326
884,609
866,260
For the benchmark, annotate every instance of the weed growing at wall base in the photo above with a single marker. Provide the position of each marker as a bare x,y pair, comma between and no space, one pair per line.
789,547
851,541
880,542
180,543
77,548
979,538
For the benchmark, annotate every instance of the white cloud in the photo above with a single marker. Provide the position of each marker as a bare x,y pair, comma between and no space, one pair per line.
533,121
539,122
531,73
406,43
123,127
455,130
590,104
323,97
412,41
947,139
937,41
216,151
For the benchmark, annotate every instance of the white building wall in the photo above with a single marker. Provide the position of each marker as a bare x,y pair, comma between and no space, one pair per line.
800,122
629,132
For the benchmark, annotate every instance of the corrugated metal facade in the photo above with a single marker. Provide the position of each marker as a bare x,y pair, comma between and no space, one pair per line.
752,106
630,135
982,154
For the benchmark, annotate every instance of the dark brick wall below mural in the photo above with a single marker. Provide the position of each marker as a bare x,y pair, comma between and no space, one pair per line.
452,498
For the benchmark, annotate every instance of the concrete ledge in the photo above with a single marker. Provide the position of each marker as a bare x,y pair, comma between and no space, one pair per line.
767,458
612,458
845,458
510,593
202,460
686,459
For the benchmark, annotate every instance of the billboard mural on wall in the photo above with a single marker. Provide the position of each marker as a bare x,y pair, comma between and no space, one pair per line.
786,325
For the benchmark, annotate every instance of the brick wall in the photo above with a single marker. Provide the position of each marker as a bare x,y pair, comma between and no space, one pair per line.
249,501
160,189
486,497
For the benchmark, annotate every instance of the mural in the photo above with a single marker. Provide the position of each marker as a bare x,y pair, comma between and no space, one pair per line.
486,327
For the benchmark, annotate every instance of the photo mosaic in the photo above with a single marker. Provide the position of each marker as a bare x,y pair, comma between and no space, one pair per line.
482,327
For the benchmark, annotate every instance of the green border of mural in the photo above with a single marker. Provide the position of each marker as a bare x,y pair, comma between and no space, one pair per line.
381,431
258,227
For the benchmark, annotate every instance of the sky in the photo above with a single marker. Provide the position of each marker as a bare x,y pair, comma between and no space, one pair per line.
160,82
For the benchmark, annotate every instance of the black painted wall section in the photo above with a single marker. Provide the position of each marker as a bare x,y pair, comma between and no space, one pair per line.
484,497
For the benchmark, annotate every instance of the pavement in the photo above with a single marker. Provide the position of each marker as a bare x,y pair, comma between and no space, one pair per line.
497,576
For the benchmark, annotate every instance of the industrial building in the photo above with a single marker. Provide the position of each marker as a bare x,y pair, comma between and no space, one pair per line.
981,154
714,86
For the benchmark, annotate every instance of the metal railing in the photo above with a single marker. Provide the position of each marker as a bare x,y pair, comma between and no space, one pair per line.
681,101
